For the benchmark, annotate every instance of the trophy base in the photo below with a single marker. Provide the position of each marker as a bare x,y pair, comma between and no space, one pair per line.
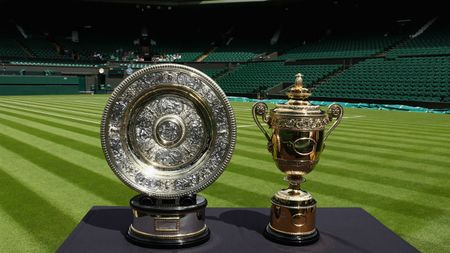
292,218
296,240
168,243
168,223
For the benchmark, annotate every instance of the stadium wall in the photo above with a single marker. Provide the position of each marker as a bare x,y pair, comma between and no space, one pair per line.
40,85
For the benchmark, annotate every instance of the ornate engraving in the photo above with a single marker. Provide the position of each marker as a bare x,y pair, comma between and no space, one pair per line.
168,130
302,123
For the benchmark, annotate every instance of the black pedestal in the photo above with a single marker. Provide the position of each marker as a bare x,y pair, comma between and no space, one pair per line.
291,240
103,229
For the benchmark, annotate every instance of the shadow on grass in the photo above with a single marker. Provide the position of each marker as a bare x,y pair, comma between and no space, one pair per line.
46,223
92,182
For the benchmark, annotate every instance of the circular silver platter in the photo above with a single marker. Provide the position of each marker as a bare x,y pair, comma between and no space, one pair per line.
168,130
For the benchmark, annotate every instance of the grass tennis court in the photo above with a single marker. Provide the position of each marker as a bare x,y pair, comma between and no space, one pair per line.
395,165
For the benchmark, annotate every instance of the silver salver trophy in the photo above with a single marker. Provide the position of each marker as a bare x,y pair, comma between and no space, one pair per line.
168,132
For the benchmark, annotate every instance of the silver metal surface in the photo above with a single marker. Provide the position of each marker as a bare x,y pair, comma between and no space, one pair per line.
168,130
174,225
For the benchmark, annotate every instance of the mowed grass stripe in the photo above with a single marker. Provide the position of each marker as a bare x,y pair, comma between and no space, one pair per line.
369,123
390,137
386,186
359,128
412,185
61,111
386,167
343,137
64,106
405,130
392,154
77,104
69,154
254,162
367,162
338,168
106,188
347,135
371,196
48,224
369,184
16,238
95,123
88,149
44,183
415,120
416,215
52,123
385,144
405,197
429,159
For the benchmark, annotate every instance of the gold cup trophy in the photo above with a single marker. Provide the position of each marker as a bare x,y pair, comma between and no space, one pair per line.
296,143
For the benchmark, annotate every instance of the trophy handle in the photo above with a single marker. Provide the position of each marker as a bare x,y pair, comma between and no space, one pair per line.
260,109
334,111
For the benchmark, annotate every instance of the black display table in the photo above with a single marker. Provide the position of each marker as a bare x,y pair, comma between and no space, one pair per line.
240,230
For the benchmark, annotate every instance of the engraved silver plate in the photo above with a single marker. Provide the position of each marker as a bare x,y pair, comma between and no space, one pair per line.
168,130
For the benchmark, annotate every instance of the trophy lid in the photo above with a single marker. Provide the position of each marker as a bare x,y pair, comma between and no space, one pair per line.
297,105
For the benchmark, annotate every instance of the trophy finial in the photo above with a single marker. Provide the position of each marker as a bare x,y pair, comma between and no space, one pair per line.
299,80
298,92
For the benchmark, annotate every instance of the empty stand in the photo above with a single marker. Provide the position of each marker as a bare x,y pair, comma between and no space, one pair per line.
252,77
434,41
238,51
41,48
405,79
10,48
343,47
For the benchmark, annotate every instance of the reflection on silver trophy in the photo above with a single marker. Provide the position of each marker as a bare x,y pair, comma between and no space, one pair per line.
168,131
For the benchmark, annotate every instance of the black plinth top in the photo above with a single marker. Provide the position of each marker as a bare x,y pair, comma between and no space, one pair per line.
103,229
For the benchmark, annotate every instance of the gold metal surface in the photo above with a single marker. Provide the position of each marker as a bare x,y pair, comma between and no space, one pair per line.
296,142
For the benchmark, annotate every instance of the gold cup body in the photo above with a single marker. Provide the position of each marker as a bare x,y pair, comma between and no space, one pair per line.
296,142
296,149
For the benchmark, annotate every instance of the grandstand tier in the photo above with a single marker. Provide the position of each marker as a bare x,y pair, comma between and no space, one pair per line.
257,76
433,41
404,79
342,47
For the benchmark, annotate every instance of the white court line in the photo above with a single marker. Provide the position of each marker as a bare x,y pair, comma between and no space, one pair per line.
354,117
